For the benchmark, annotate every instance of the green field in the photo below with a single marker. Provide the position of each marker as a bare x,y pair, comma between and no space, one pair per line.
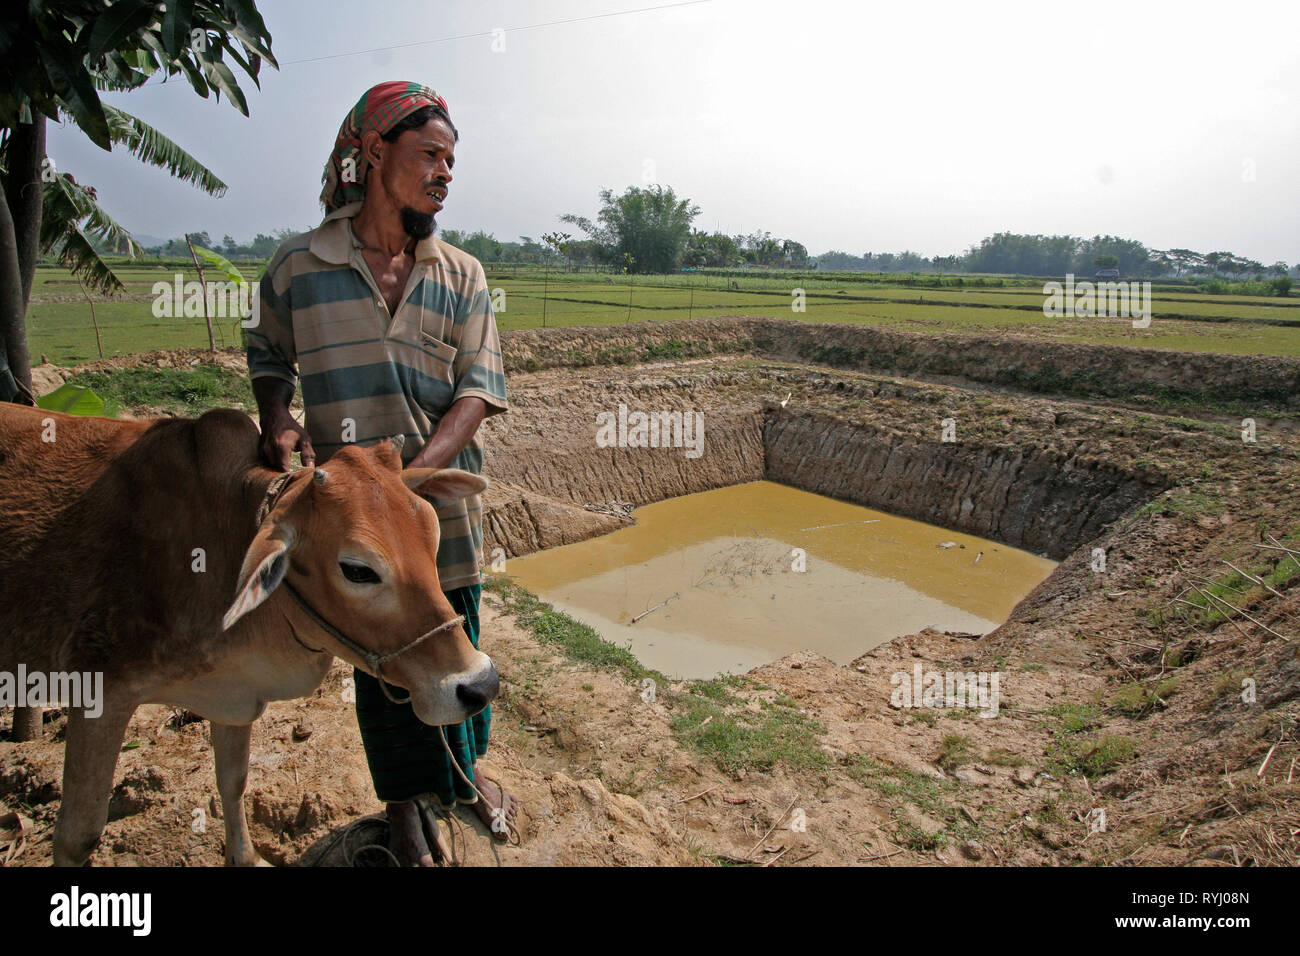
59,320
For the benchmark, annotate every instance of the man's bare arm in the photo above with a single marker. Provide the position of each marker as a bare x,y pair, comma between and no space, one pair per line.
453,433
281,433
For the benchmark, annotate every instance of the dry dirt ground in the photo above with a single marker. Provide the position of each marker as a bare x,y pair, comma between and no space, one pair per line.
1178,731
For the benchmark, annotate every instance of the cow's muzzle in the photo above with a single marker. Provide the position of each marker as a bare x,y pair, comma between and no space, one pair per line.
479,693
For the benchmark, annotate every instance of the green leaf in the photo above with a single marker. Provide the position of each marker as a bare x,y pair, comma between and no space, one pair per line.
195,77
150,146
120,21
252,40
65,206
221,263
76,92
176,27
118,74
72,400
220,77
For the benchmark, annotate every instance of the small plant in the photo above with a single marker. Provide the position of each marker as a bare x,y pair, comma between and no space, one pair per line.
954,750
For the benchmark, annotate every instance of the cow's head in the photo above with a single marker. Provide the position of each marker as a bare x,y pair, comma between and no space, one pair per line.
357,541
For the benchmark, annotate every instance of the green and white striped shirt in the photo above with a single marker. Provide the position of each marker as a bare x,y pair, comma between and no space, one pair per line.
367,375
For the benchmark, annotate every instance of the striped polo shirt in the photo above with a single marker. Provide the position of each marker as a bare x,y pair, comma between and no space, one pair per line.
367,375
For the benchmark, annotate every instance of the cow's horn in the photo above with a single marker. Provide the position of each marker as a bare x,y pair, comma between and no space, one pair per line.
320,476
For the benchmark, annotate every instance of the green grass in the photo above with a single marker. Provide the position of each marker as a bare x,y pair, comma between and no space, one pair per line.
928,794
190,391
954,750
1072,752
712,717
713,720
577,641
1137,700
1187,500
1273,568
59,321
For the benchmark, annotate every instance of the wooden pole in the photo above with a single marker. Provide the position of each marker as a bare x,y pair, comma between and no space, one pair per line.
212,343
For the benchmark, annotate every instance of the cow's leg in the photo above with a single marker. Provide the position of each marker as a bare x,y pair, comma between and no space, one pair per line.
230,748
89,759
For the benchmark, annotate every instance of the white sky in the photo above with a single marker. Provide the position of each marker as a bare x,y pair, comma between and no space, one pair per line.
849,125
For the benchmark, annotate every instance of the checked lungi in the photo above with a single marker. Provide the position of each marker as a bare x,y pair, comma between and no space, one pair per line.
406,757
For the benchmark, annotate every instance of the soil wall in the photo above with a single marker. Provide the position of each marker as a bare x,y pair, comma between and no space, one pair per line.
1259,383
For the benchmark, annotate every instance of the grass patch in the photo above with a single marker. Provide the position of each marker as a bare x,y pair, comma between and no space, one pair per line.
1092,758
1071,753
1184,501
189,391
1001,757
1137,700
576,640
927,794
954,750
711,717
1229,683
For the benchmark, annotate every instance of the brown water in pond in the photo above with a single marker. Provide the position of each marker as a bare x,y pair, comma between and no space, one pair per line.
728,564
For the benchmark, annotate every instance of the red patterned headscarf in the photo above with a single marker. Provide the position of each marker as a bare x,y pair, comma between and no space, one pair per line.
380,109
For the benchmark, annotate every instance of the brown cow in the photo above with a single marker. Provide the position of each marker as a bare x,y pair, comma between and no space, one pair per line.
163,555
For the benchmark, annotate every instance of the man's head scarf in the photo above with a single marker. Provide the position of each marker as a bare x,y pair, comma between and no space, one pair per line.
380,109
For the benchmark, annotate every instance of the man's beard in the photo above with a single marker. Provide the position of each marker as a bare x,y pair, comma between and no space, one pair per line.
418,225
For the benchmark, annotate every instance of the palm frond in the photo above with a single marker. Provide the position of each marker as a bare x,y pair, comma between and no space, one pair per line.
71,222
150,146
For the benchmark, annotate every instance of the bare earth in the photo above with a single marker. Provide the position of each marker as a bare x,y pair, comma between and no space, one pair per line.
603,779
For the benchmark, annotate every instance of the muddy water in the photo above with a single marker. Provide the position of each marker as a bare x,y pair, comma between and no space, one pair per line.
755,571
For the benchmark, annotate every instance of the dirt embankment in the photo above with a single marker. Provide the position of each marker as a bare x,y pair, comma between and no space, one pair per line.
1035,476
1258,384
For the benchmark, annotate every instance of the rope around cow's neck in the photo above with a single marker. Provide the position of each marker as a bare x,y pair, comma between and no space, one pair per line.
374,660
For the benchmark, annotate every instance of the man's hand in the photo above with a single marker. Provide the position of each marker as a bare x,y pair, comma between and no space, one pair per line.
281,438
453,433
281,434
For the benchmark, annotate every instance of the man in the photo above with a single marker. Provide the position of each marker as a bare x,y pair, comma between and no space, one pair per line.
393,333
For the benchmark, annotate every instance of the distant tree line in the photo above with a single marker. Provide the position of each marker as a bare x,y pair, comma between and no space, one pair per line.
1007,252
649,230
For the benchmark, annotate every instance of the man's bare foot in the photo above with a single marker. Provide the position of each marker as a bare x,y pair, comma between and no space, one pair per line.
488,806
406,835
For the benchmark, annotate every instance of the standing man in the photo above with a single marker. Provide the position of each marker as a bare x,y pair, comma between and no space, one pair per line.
393,333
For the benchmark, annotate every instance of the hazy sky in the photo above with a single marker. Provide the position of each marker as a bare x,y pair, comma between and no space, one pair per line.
848,125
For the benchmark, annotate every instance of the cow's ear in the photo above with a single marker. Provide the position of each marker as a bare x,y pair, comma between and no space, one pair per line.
448,484
265,566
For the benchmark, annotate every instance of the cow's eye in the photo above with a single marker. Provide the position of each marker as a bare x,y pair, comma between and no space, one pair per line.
358,573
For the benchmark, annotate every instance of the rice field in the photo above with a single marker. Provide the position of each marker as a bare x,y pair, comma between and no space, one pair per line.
60,327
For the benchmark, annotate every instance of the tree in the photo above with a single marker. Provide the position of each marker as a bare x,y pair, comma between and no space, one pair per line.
54,60
650,225
793,254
